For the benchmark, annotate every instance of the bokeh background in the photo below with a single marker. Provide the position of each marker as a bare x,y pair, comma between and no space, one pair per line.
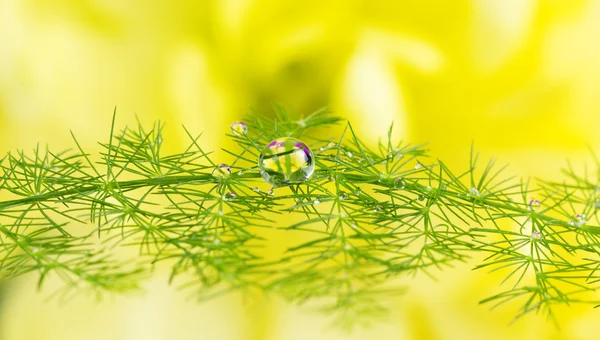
520,78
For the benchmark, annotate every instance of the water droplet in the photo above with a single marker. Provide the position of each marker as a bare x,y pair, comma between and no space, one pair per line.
353,225
536,235
229,196
343,196
301,122
579,220
429,188
420,197
533,204
342,214
418,166
316,201
35,250
271,192
358,191
399,183
220,212
322,149
221,170
349,154
47,165
56,169
473,192
377,208
241,172
331,145
159,140
285,161
346,246
216,241
239,128
256,190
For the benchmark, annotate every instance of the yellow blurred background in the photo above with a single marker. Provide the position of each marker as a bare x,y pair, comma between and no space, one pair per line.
520,78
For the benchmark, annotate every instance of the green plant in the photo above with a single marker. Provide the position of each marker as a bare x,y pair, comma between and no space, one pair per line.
367,215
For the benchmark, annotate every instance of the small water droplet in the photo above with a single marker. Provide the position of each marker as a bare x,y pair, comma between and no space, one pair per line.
316,201
473,192
579,220
256,190
429,188
347,246
216,241
220,212
377,208
358,191
353,225
271,192
421,197
47,165
349,154
241,172
418,166
229,196
221,170
343,196
322,149
331,145
239,128
35,250
301,122
159,140
399,183
536,235
56,169
533,204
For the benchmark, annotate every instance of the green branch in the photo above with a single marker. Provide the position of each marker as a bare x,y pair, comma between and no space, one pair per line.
365,216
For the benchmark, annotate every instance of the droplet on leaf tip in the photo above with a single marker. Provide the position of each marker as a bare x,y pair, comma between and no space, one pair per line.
239,128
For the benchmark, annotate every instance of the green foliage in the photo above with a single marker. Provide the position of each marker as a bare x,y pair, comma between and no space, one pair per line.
367,216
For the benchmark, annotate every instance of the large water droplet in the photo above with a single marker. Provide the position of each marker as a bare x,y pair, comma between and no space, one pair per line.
286,161
238,128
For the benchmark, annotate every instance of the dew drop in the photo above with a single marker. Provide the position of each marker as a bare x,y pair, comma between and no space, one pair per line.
346,246
421,197
322,149
536,235
271,192
358,191
534,204
377,208
47,165
286,161
343,196
399,183
316,201
241,172
239,128
35,250
331,145
353,225
349,154
216,241
221,170
220,212
229,196
473,192
418,166
256,190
